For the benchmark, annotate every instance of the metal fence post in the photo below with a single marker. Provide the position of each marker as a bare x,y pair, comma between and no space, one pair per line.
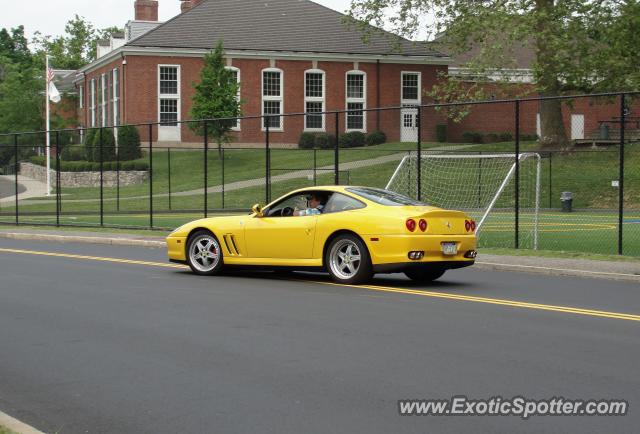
16,167
336,156
267,161
118,179
169,174
58,197
517,180
151,176
550,179
419,166
222,175
621,175
315,167
101,150
206,165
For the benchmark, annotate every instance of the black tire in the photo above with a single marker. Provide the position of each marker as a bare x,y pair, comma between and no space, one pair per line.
424,274
342,265
208,265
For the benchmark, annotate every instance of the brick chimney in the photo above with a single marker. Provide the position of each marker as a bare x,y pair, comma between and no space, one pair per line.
146,10
189,4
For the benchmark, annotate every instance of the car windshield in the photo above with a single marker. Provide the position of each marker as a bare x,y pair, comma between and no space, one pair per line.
384,197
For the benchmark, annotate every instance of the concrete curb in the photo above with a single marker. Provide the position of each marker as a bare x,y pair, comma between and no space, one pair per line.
15,425
136,242
550,271
545,264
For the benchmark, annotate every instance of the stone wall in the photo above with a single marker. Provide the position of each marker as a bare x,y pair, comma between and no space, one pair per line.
84,179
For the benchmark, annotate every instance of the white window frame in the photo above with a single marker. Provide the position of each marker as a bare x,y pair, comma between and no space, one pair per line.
92,108
279,99
115,99
362,100
81,96
104,101
321,100
177,96
237,71
410,101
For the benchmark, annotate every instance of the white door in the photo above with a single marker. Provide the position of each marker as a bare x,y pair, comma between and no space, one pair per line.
577,127
409,124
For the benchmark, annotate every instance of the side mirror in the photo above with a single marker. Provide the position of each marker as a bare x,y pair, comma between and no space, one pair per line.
257,210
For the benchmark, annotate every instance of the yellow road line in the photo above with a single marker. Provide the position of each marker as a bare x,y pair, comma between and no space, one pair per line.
497,301
92,258
468,298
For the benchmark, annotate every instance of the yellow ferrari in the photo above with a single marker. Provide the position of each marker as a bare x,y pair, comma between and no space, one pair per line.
351,232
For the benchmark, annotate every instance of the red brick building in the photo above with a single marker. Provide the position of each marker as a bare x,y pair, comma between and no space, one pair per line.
290,56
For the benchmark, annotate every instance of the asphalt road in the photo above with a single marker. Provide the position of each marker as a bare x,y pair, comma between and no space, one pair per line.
100,346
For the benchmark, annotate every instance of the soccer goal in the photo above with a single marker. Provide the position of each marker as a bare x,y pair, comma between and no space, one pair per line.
483,185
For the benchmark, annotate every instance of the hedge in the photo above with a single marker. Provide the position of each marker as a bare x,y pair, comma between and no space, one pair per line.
128,143
353,139
375,138
91,166
441,133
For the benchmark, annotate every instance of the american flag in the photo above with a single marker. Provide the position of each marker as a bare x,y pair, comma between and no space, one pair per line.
50,75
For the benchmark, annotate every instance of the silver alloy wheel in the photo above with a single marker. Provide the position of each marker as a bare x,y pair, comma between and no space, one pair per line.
344,259
204,253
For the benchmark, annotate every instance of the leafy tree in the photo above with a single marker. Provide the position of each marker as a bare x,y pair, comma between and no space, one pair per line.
108,145
76,47
216,97
580,46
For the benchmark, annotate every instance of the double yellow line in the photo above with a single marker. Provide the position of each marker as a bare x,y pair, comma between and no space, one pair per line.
421,293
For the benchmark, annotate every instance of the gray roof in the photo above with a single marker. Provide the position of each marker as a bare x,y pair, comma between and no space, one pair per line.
271,25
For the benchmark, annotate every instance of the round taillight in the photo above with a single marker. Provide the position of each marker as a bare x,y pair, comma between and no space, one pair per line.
423,225
411,225
467,225
473,225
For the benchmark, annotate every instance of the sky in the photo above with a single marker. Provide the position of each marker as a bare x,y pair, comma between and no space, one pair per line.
50,16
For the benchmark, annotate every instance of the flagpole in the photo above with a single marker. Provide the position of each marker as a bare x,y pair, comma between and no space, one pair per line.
48,120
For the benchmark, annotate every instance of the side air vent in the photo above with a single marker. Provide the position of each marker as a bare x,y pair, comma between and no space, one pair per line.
230,244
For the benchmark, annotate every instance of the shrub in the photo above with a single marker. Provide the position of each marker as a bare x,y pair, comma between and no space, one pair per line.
307,141
491,138
88,144
529,137
128,143
73,153
441,133
88,166
325,141
354,139
108,145
472,137
375,138
506,137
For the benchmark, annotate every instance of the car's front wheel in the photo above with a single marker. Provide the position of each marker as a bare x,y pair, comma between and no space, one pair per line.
204,254
424,274
348,260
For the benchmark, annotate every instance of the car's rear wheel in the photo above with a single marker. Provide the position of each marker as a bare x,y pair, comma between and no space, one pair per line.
424,274
204,254
348,260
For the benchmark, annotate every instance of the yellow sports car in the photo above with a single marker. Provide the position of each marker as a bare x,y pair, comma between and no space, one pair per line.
351,232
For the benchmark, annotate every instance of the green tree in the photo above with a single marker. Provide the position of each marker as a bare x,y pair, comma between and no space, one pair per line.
571,40
216,97
128,143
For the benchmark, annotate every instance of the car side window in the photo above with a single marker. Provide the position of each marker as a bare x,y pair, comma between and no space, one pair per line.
341,202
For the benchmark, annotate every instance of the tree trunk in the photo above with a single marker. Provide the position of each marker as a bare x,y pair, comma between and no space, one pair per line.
553,133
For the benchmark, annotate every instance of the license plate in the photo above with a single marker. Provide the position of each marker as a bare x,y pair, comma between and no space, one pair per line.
450,248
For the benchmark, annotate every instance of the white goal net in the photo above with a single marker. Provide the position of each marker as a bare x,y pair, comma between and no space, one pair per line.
483,185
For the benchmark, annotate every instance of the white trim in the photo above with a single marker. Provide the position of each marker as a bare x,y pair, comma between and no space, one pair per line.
81,96
272,98
238,126
115,100
321,100
93,103
352,100
103,103
257,54
411,101
163,96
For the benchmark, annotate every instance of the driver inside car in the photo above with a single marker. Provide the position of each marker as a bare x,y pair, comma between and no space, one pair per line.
315,205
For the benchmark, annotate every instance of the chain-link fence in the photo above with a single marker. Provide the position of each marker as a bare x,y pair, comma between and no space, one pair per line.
536,173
